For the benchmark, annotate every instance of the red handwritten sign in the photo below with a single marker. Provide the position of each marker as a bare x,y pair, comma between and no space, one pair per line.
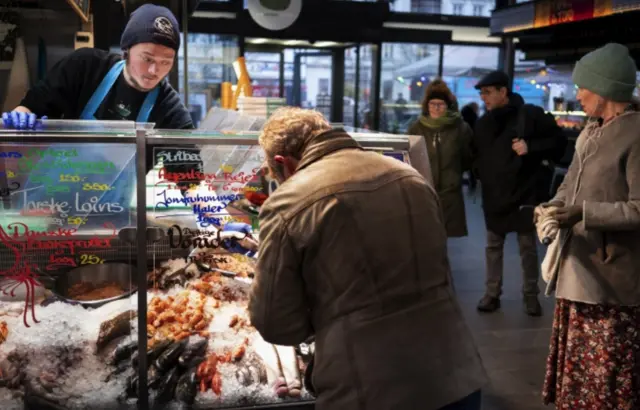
19,239
193,175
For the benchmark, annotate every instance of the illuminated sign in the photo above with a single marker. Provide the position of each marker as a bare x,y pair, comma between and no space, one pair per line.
550,13
546,13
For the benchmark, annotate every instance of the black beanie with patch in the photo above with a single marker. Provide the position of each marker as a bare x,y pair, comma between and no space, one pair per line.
151,24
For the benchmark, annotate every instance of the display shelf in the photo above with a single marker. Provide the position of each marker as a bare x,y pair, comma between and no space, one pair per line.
70,202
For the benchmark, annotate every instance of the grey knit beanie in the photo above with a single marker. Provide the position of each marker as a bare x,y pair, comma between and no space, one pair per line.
608,71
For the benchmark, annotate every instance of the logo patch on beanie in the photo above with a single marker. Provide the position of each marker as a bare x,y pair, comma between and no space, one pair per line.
163,26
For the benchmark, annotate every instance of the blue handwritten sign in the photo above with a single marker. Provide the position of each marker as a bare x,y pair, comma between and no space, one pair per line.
195,199
11,154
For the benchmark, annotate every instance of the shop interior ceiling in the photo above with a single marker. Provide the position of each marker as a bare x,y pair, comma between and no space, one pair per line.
311,24
566,43
380,25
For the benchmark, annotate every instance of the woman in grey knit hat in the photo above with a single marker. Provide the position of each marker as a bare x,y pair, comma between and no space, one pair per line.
594,357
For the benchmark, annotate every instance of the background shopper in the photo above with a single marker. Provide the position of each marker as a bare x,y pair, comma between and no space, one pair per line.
512,139
353,250
594,357
448,140
470,114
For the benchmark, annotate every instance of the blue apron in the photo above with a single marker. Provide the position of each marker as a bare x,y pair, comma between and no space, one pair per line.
113,205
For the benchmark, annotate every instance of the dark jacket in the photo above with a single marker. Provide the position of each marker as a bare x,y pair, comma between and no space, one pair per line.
469,115
450,155
511,184
353,250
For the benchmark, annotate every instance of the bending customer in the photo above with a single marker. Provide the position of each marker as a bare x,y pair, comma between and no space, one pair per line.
353,250
594,358
448,140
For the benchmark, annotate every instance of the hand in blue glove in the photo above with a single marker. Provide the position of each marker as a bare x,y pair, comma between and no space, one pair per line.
20,120
233,245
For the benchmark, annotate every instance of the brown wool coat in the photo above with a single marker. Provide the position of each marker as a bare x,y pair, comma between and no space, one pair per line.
353,252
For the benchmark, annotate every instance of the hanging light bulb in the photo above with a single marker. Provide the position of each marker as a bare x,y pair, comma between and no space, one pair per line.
419,83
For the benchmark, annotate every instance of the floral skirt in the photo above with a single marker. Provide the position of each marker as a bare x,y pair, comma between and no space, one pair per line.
594,357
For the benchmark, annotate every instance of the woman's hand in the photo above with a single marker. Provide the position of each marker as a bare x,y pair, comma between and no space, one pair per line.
567,216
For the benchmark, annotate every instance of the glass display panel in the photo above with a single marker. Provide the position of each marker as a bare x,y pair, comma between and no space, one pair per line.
68,293
68,331
198,296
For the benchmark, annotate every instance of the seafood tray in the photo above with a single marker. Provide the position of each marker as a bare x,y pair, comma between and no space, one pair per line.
202,351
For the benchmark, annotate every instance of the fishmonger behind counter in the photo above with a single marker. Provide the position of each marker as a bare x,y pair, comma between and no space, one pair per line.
92,84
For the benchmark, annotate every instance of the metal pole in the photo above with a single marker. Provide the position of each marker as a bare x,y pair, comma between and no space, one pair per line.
141,266
441,61
356,87
281,77
337,85
185,51
377,72
297,81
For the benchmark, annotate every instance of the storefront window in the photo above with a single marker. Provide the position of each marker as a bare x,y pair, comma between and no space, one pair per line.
559,90
365,98
464,66
264,71
210,59
314,88
528,80
349,105
406,70
481,8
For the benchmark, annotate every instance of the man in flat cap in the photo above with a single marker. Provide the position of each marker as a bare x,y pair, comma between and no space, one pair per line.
512,139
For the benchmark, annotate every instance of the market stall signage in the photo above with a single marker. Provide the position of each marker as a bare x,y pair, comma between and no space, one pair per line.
550,13
547,13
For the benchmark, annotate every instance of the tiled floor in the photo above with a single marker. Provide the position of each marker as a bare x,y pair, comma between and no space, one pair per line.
513,345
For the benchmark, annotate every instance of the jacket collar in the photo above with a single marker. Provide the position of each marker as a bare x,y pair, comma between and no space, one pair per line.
325,144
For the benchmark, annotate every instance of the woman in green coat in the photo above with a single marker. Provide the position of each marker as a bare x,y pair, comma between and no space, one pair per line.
448,139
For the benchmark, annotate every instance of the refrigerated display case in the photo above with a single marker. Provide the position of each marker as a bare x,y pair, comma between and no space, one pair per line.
83,292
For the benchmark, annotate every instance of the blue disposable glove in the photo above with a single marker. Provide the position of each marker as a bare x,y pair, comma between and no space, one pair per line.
232,245
20,120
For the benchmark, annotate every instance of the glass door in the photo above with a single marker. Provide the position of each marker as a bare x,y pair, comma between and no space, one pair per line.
312,76
366,80
358,85
350,86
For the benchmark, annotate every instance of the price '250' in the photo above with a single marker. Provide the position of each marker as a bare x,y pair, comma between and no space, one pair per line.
95,187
